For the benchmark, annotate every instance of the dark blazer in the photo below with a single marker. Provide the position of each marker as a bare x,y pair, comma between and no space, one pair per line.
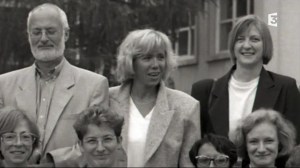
273,91
201,91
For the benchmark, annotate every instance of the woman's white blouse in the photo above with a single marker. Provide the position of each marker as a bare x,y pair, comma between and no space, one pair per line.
137,135
241,100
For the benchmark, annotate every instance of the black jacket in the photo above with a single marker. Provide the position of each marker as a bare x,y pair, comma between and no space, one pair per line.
274,91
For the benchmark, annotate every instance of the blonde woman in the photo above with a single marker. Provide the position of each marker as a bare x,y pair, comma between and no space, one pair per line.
161,124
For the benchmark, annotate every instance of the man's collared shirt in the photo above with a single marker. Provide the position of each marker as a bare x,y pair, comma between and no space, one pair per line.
44,94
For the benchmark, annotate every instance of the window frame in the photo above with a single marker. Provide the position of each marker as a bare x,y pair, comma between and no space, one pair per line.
225,54
189,58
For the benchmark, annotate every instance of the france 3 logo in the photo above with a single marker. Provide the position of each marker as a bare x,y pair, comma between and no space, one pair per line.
273,19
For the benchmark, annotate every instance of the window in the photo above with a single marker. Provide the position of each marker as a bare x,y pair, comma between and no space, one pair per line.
185,41
229,11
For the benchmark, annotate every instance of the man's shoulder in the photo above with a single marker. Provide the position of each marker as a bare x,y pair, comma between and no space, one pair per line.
114,89
114,92
87,74
15,74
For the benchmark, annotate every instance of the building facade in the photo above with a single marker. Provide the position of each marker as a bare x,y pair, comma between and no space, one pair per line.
210,56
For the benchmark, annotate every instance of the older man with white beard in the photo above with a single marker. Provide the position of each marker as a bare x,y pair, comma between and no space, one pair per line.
52,91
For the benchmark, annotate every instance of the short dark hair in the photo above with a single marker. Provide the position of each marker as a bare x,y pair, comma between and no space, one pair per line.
98,116
10,117
222,145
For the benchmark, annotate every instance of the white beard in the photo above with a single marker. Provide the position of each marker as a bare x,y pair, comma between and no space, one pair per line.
48,55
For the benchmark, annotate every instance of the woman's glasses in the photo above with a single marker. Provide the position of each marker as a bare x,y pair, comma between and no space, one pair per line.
221,160
94,141
11,138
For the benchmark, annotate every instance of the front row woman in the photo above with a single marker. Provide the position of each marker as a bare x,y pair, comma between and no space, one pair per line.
264,139
213,151
19,138
98,131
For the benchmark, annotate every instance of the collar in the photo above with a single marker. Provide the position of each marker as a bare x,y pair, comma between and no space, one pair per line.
228,75
52,74
221,84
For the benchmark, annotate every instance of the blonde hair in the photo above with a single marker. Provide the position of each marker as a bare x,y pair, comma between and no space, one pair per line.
142,42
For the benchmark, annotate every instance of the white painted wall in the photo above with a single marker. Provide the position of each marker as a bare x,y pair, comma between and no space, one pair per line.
286,36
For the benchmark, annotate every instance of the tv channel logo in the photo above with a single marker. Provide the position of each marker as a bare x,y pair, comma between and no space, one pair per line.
273,19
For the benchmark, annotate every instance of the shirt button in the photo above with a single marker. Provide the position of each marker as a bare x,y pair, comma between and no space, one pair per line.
41,116
44,99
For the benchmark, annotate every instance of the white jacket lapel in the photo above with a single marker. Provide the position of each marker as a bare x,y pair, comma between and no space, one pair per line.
159,123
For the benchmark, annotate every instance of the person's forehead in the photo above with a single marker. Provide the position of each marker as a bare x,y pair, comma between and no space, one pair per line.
152,49
247,29
98,131
208,149
260,130
45,16
22,126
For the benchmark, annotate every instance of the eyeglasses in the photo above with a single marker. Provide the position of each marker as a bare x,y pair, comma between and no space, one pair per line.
37,33
221,160
94,142
11,138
